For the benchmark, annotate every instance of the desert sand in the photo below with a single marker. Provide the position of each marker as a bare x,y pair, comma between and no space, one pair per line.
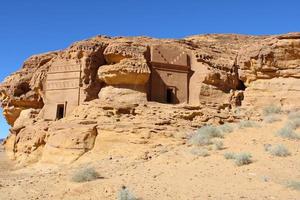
164,168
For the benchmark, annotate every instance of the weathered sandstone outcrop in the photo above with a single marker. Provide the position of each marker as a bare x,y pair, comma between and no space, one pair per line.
126,72
273,57
68,142
106,83
21,90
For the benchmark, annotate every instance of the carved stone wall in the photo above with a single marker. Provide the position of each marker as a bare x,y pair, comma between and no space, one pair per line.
205,87
62,87
170,75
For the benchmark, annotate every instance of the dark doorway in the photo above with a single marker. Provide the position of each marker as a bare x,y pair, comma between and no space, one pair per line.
169,96
60,112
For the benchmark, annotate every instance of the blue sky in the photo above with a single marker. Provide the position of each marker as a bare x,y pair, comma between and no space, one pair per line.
34,26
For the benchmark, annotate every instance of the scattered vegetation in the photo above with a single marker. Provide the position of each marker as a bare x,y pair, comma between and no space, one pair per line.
294,115
271,109
279,150
243,159
247,124
229,155
240,158
271,118
204,135
226,128
200,140
265,178
267,147
85,174
237,111
218,144
200,152
287,132
125,194
294,124
295,185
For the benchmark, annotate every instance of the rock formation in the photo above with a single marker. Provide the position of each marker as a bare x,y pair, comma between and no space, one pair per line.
142,85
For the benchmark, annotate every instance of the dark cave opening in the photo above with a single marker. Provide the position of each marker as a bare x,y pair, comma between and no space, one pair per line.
21,89
241,85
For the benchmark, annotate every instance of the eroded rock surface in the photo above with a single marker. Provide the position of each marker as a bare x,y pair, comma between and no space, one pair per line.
106,83
67,142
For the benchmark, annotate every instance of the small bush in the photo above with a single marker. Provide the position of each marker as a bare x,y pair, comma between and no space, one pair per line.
267,147
294,115
279,150
237,111
84,175
200,152
265,178
218,145
204,135
200,140
295,185
271,118
125,194
243,159
294,124
247,124
226,128
271,109
229,155
287,132
210,131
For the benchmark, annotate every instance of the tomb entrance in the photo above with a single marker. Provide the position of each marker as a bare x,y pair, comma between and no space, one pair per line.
170,72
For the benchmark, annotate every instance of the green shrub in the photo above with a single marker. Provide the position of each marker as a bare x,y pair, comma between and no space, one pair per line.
243,159
240,158
229,155
279,150
294,115
210,131
125,194
85,174
204,135
200,140
271,109
218,145
238,111
295,185
267,147
271,118
294,124
287,132
226,128
247,124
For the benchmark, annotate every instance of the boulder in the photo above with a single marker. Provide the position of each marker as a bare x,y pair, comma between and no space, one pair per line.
67,144
126,72
272,57
283,92
119,95
26,144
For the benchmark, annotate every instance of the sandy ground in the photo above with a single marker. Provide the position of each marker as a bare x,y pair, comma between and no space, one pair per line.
164,168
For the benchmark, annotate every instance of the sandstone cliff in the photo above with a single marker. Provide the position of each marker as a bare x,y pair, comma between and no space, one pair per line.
114,89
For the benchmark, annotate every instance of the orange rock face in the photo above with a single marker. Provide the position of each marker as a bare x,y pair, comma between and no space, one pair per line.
217,72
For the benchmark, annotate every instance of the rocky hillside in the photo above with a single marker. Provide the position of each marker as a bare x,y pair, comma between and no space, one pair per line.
228,72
